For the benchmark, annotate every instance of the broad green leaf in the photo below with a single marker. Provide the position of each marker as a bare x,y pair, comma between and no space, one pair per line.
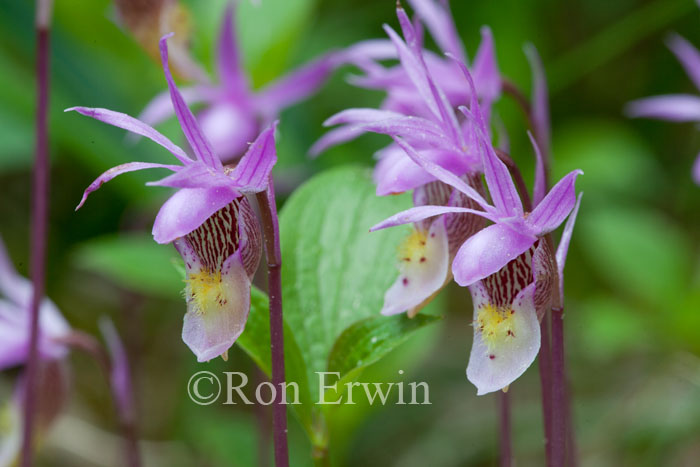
334,271
133,261
642,252
255,341
370,339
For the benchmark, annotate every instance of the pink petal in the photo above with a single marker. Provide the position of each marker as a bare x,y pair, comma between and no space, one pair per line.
160,108
133,125
420,280
118,170
492,369
540,101
443,175
563,247
688,55
228,60
197,175
335,137
540,186
419,213
187,209
230,126
696,170
674,107
485,68
396,173
189,125
252,173
554,208
295,86
487,251
438,19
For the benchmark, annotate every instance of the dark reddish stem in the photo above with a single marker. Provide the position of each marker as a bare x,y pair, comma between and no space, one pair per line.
270,224
545,367
124,403
40,213
506,445
559,409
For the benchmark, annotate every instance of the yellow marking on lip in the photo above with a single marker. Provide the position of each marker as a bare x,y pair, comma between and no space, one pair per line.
412,249
496,325
207,291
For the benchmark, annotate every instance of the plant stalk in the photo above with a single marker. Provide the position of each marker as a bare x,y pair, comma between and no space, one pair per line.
506,444
270,225
559,409
40,214
545,368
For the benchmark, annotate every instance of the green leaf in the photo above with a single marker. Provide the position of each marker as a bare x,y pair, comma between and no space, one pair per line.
370,339
334,271
255,341
133,261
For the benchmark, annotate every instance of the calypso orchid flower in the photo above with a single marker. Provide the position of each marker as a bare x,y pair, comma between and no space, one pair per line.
233,113
425,255
675,107
508,265
209,220
52,381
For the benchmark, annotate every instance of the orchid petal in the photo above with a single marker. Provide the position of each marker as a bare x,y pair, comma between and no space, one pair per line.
200,145
160,108
295,86
252,173
229,127
133,125
493,367
187,209
485,68
421,276
227,57
674,107
13,286
540,187
487,251
197,175
418,213
211,332
121,169
563,247
688,55
396,173
554,208
443,175
439,21
498,180
540,101
13,335
120,374
335,137
361,115
443,106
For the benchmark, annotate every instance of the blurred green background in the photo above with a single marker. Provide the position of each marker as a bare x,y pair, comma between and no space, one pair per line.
632,278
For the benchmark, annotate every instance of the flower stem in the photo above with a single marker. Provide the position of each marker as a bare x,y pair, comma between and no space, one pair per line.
40,214
506,445
123,401
270,224
545,367
559,409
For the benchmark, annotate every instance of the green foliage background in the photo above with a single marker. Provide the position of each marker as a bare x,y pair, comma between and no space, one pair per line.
632,278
